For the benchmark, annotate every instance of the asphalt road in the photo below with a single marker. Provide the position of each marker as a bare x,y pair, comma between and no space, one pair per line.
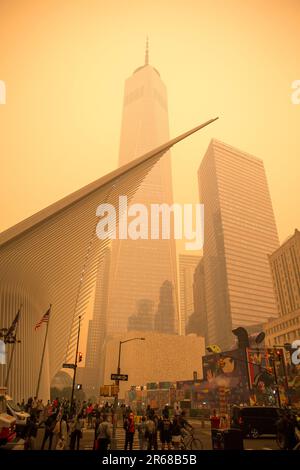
86,443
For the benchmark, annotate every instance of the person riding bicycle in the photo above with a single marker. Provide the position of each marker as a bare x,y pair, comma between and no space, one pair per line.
185,426
188,439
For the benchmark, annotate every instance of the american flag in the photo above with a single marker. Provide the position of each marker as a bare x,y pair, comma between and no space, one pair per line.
44,319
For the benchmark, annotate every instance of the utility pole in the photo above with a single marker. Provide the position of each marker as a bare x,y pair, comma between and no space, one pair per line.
75,364
115,417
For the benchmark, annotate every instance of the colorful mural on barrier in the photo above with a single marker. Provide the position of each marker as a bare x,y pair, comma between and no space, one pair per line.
225,379
252,376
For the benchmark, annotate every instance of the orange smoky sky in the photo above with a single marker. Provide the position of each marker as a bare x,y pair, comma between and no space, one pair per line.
64,63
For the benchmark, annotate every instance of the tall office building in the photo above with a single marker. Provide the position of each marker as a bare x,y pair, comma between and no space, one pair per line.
141,268
239,234
187,266
285,266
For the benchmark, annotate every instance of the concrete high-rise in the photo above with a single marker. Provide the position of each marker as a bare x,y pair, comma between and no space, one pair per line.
285,266
187,266
239,234
140,268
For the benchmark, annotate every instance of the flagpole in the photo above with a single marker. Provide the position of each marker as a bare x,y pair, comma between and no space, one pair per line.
13,350
43,355
10,362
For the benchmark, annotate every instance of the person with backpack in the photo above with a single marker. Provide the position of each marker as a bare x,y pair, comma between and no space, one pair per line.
165,431
129,431
104,433
142,434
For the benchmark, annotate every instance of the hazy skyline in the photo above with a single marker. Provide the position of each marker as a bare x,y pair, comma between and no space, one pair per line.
64,66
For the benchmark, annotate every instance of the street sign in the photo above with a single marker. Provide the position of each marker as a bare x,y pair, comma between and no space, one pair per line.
68,366
119,377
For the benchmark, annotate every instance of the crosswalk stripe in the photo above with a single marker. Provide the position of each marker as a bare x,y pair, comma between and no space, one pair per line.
120,436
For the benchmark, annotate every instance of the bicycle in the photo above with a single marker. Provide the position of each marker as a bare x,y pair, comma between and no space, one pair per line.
190,442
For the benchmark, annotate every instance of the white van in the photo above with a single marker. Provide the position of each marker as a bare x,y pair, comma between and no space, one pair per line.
14,410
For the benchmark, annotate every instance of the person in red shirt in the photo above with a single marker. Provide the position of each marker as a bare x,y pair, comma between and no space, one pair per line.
89,412
215,420
129,430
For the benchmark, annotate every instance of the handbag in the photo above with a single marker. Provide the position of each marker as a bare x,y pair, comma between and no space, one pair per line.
57,428
60,444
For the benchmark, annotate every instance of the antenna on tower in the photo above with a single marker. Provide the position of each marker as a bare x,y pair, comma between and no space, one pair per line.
147,52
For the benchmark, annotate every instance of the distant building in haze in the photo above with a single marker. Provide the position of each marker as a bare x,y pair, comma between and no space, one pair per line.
187,266
197,322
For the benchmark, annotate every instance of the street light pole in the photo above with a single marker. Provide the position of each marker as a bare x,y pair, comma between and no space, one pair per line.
75,364
119,360
115,418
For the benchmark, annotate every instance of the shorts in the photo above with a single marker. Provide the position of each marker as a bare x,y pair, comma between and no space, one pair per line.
165,438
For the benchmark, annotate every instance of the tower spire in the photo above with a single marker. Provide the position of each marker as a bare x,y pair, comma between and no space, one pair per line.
147,52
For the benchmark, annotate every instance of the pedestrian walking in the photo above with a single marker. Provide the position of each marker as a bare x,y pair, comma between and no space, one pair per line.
76,432
129,431
142,434
165,431
89,413
63,433
49,428
31,433
104,434
176,433
150,432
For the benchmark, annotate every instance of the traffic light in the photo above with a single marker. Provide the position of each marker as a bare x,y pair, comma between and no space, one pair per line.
114,390
79,357
278,354
104,391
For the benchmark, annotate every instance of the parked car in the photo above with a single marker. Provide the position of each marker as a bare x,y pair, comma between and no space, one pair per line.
255,420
